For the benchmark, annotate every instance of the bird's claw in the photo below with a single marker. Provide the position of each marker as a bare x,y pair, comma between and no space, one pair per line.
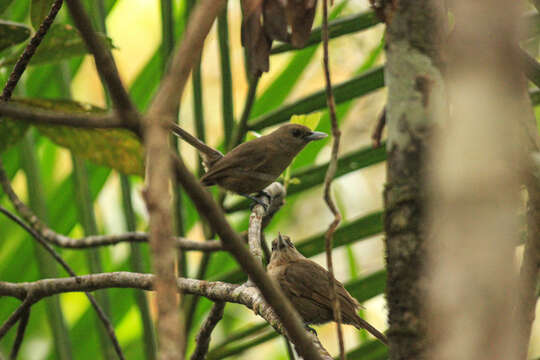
258,201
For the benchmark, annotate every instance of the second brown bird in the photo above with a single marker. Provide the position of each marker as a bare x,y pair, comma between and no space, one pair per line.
307,286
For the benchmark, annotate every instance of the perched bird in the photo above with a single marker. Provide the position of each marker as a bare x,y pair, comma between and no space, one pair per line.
253,165
307,286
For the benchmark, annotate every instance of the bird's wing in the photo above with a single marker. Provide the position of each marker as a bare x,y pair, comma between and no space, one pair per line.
245,158
308,279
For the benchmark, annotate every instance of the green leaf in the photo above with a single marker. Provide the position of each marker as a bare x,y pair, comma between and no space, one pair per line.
11,132
4,5
62,42
347,90
39,10
12,33
309,120
343,26
115,148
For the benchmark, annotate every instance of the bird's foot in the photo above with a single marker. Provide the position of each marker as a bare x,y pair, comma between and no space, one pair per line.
310,329
257,201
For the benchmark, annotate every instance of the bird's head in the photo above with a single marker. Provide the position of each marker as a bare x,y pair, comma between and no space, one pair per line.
283,250
295,136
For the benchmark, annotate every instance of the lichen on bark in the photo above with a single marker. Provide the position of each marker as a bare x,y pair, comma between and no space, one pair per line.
415,90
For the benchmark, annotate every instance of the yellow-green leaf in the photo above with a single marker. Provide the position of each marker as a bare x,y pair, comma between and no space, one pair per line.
115,148
309,120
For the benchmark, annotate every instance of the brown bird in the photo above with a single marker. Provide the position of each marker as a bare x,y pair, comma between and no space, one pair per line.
306,285
253,165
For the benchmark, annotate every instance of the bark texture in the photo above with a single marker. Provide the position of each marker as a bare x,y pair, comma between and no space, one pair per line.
414,82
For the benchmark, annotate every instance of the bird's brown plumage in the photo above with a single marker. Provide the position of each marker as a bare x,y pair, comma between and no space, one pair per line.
307,286
255,164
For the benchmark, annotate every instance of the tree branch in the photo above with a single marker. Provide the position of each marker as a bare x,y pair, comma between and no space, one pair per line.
330,173
26,56
35,115
248,296
105,64
203,337
101,314
89,241
20,334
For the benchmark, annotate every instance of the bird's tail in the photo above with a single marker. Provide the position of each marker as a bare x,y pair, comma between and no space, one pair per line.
363,324
209,154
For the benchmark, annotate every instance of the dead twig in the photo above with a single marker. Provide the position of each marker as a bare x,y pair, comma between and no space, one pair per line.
330,173
29,51
203,337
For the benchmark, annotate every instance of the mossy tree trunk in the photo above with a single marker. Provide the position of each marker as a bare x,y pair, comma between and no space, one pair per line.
414,81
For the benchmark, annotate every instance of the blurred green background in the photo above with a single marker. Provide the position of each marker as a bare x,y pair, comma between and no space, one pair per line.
77,197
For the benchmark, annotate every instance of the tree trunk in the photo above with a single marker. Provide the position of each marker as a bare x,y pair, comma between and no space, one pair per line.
414,81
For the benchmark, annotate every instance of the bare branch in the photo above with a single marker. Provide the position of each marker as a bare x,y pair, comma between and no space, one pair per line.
16,315
23,322
89,241
13,197
277,193
248,296
330,173
203,337
104,63
26,56
34,115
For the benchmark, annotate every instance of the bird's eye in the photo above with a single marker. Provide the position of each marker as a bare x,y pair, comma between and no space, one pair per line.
274,246
296,132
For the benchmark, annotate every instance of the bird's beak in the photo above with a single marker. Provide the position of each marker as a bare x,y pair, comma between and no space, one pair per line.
316,135
280,241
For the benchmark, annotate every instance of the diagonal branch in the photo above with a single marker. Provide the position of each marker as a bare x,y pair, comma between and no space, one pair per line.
203,337
89,241
330,173
104,63
101,314
20,334
26,56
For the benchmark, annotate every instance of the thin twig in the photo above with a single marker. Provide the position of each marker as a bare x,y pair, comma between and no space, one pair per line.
105,64
24,59
377,132
331,172
93,241
101,314
203,337
16,315
23,322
